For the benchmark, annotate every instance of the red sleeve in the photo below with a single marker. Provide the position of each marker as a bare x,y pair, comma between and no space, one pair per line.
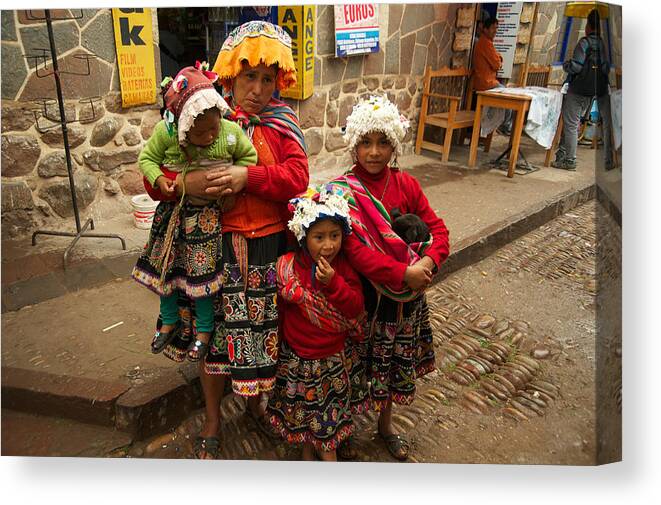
154,192
345,292
374,265
440,248
285,179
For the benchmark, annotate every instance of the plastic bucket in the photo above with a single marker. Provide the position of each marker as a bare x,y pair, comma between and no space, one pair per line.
143,211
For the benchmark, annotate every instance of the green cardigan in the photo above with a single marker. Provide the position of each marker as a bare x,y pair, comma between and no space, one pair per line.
163,148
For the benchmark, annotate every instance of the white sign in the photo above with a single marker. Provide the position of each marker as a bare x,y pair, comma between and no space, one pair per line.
356,29
508,15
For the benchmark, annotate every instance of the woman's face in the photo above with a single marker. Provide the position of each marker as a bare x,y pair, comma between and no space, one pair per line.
254,86
374,152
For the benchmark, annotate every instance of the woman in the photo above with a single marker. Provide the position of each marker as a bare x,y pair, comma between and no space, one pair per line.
254,61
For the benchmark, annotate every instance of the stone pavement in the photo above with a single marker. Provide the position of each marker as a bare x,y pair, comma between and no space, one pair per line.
57,360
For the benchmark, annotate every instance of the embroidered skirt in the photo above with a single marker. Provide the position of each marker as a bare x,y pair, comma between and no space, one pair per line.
313,399
195,265
400,350
245,341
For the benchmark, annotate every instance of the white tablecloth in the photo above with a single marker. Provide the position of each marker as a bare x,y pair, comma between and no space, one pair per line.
616,117
543,114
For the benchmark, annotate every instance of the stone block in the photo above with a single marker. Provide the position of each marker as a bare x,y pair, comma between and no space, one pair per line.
16,116
416,16
520,54
389,81
312,110
354,68
394,17
527,12
459,59
334,140
111,187
131,137
462,40
91,112
58,193
419,60
523,36
331,114
104,131
76,135
317,71
149,120
8,26
423,36
16,195
325,31
99,37
66,34
314,139
88,14
403,102
349,86
107,161
346,106
392,54
406,54
131,181
371,82
334,92
333,70
14,225
113,102
20,154
374,63
14,71
465,17
54,164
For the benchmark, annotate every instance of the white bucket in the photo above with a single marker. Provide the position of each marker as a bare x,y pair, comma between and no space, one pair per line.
143,211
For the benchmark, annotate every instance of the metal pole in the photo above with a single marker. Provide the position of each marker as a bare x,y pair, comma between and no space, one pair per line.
63,117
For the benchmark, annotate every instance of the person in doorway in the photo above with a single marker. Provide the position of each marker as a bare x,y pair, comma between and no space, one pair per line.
486,63
587,77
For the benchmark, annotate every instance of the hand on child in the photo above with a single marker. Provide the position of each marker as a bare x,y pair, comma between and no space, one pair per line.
417,276
324,272
166,186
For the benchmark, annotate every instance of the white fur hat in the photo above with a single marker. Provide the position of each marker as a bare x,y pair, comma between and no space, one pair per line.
376,114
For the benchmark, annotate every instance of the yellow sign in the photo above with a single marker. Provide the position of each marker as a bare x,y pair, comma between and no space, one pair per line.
299,22
135,56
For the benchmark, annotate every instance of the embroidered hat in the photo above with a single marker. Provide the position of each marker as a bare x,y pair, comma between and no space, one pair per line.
315,204
256,42
376,114
187,96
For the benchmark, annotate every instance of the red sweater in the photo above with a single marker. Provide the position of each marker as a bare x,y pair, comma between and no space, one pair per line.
403,192
276,181
344,292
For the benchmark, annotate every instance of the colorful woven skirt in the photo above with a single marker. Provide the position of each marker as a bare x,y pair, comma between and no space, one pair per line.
245,341
400,350
195,266
313,399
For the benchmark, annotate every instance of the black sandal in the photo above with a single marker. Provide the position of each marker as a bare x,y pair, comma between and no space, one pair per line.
197,350
208,445
346,450
163,338
397,446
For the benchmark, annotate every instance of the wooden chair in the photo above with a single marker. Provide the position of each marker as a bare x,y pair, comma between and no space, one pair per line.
537,76
445,105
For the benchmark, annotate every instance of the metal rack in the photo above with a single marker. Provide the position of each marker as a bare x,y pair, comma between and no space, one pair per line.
39,59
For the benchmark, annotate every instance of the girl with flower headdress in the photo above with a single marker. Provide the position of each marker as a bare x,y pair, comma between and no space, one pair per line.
255,61
184,252
400,346
321,307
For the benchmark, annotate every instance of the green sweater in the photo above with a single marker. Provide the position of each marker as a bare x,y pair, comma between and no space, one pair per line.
163,148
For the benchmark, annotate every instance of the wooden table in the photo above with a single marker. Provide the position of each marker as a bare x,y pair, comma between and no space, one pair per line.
519,104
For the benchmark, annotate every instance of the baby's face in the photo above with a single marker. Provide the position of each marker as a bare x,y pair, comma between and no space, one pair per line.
374,152
324,238
205,128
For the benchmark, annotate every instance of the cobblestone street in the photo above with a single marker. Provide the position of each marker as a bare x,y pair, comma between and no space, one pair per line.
515,340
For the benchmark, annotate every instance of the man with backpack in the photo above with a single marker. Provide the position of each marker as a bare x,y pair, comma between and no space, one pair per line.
587,77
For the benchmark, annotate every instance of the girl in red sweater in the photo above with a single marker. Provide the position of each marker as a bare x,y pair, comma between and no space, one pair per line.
400,347
321,307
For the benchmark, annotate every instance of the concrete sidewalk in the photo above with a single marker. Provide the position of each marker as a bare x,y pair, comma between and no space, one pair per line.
75,343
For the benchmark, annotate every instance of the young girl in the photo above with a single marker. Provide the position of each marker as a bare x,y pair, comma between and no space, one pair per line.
318,381
184,248
400,346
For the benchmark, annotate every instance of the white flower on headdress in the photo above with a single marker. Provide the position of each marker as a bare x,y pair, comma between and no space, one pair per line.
315,204
376,114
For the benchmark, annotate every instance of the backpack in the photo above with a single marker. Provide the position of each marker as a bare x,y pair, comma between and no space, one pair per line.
591,80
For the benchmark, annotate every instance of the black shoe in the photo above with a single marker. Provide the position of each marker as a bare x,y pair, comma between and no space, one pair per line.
162,338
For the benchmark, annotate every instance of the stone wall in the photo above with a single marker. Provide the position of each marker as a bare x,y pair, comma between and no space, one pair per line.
104,146
411,37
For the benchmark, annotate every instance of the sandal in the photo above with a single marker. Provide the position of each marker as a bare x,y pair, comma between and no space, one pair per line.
397,446
206,445
197,350
163,338
346,450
